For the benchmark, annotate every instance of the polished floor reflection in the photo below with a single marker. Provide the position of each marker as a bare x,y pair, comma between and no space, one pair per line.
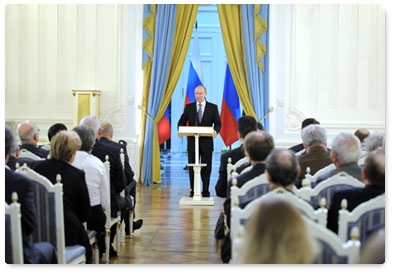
173,234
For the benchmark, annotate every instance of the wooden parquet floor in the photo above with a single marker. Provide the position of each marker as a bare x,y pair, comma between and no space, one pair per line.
171,233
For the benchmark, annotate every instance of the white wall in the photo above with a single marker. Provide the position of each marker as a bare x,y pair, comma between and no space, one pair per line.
326,61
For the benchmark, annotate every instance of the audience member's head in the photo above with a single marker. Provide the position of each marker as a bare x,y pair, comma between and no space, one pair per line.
361,134
276,233
374,140
94,123
107,130
64,146
28,132
346,149
54,129
87,136
282,168
10,144
258,145
314,135
260,126
246,124
373,251
308,121
373,172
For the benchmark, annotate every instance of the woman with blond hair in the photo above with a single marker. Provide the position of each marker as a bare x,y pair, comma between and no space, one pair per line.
76,202
276,233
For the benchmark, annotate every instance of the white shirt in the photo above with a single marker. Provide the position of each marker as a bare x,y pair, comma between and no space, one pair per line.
203,106
95,177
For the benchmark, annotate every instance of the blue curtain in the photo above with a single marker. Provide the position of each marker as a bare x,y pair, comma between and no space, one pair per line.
256,42
163,43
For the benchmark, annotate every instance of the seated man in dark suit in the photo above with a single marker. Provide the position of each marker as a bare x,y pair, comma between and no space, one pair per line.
52,131
117,175
257,146
317,155
39,253
29,135
345,154
130,188
14,158
299,148
373,175
245,124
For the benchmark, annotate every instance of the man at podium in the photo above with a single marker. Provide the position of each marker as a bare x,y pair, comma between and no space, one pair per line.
201,113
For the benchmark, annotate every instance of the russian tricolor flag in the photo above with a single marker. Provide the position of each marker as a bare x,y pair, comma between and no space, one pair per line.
164,126
230,111
195,76
194,80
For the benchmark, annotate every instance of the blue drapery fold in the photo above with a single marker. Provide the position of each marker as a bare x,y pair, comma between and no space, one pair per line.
258,80
163,43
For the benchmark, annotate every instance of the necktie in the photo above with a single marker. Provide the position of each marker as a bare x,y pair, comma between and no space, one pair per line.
200,113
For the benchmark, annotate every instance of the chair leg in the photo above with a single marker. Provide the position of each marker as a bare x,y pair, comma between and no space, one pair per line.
122,227
107,242
118,239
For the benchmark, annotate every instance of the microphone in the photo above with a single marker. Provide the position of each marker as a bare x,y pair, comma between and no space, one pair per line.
145,113
271,109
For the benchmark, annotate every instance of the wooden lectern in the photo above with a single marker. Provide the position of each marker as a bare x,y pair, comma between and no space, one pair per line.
196,131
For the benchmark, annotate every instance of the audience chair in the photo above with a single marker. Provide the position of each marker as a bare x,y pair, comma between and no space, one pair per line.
246,169
239,216
109,220
94,243
26,153
229,168
365,216
313,178
251,190
50,221
331,249
13,232
318,215
242,161
326,189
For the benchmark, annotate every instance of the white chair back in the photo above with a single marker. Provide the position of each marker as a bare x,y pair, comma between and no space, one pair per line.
13,232
110,221
332,250
239,216
326,189
50,217
251,190
321,171
26,153
365,216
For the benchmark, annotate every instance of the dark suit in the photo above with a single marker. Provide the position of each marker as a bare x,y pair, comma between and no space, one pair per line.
35,150
226,247
242,179
76,202
222,183
130,183
206,144
117,175
12,160
297,148
352,169
42,252
354,198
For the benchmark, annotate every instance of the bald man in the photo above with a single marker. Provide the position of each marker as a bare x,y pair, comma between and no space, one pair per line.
29,135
